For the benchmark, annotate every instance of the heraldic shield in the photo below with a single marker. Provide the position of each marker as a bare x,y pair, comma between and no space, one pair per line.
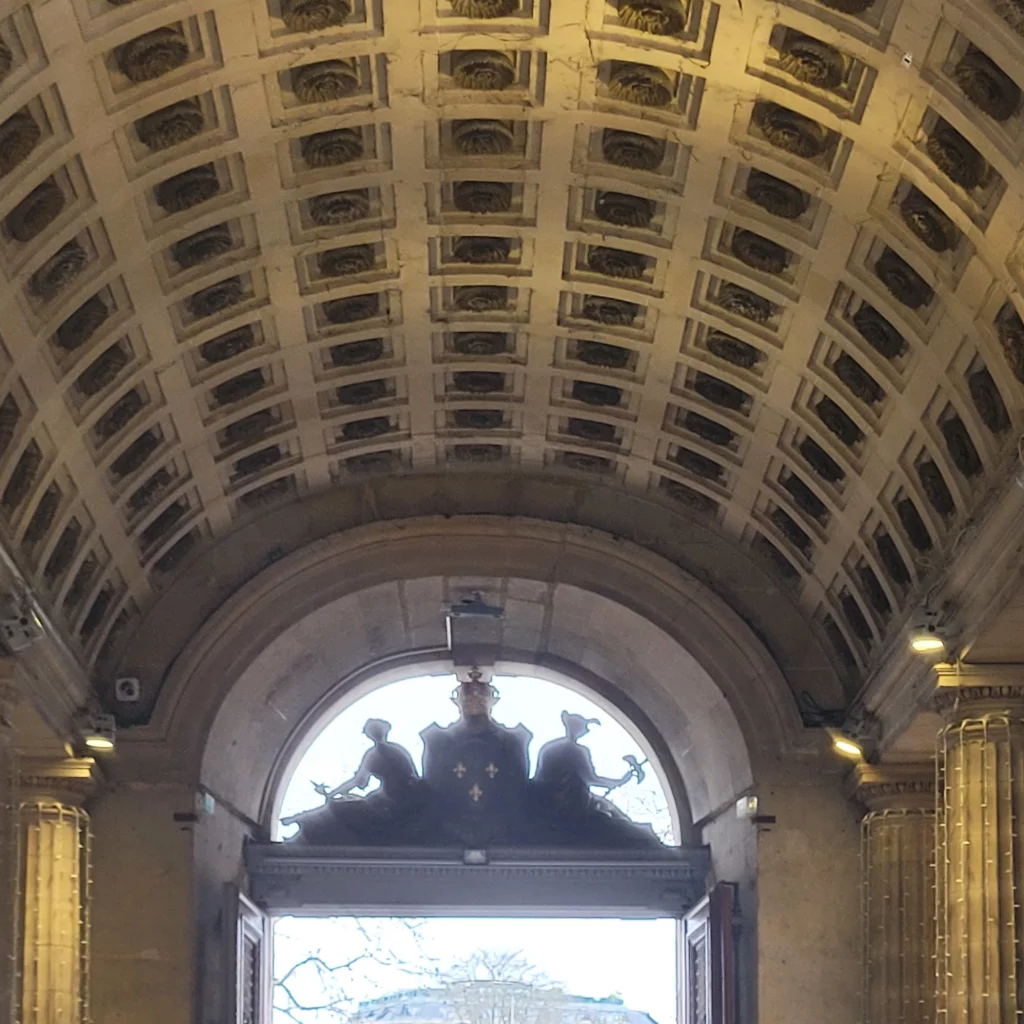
478,776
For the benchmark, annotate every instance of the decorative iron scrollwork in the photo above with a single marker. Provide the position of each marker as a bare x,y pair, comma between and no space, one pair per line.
333,148
363,392
1010,329
478,419
202,246
58,271
480,137
742,302
188,189
613,312
699,465
480,298
483,70
838,422
955,156
484,8
960,446
216,298
658,17
482,196
630,149
624,210
325,81
227,346
935,489
592,393
356,353
19,135
346,261
102,371
480,343
857,379
153,54
878,332
986,85
812,61
707,429
988,401
821,462
170,126
333,208
37,211
759,252
479,382
482,249
352,309
600,353
778,197
787,130
603,259
640,84
904,283
732,350
928,222
82,324
314,15
720,392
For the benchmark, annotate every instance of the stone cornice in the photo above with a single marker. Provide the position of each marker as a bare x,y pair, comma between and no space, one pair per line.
969,691
889,787
70,781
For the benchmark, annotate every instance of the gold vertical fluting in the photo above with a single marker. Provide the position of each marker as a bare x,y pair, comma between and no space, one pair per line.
55,883
9,854
898,892
980,852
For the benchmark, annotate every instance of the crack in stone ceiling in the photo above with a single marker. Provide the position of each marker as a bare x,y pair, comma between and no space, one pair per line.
760,261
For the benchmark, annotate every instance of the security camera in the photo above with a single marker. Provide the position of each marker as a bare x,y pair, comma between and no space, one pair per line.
127,690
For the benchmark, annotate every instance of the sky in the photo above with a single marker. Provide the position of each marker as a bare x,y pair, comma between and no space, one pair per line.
412,704
589,957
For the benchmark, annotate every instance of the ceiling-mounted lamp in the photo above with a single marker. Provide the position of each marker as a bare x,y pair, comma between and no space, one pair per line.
926,637
847,747
99,733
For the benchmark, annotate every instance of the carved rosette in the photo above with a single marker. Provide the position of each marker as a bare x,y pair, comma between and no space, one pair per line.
103,371
216,298
352,309
988,401
629,149
483,70
955,156
484,8
481,249
19,135
325,81
986,85
820,461
787,130
812,61
640,84
227,346
356,353
480,343
339,207
778,197
482,137
838,422
759,252
657,17
344,262
170,126
333,148
720,392
58,271
599,353
591,393
82,324
484,298
624,210
928,222
40,208
482,196
188,189
479,382
732,350
616,263
857,379
903,282
738,300
878,332
314,15
613,312
202,246
960,446
153,54
1010,329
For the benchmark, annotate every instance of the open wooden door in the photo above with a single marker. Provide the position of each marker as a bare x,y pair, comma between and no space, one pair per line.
249,970
708,990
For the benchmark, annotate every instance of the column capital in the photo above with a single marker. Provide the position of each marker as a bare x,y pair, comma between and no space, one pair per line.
969,691
70,781
892,787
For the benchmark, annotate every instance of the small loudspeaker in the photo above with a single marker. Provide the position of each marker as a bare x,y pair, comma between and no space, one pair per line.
21,632
127,690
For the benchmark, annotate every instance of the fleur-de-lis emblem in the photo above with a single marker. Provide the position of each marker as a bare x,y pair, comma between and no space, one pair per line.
492,769
475,793
460,769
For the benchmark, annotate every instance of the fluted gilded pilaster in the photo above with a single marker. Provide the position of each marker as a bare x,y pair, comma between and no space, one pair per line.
898,877
980,847
55,878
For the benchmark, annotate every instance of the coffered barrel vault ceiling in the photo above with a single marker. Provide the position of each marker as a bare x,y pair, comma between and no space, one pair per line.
759,262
